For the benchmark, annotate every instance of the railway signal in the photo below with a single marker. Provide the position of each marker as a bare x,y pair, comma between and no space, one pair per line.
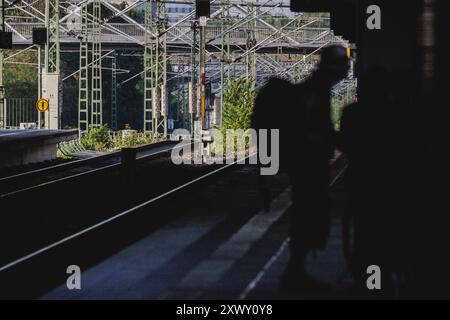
202,8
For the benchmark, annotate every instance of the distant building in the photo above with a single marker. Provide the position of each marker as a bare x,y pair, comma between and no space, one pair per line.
177,11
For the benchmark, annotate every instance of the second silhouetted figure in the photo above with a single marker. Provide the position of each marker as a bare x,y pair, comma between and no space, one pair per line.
312,144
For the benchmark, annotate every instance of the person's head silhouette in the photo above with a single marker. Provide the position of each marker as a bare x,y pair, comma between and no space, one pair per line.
334,64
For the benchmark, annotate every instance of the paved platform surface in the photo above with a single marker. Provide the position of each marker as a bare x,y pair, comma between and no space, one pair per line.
191,259
29,136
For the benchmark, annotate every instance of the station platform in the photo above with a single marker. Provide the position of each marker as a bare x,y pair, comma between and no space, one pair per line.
199,258
22,147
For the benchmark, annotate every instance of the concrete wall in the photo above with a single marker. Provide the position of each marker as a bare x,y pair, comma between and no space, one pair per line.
22,147
32,154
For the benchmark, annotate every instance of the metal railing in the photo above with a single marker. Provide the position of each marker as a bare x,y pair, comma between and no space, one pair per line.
19,110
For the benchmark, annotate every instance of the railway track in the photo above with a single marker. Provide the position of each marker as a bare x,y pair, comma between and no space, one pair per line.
41,213
40,240
105,217
30,180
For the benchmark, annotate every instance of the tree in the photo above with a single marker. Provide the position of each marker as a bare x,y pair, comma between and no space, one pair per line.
237,109
238,100
21,76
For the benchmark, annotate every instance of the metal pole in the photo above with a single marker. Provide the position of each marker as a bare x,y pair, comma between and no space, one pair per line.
2,88
114,92
39,83
222,63
250,68
202,75
194,75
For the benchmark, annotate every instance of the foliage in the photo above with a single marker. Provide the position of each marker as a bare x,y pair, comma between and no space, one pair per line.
238,102
97,138
237,109
338,104
131,140
20,76
102,139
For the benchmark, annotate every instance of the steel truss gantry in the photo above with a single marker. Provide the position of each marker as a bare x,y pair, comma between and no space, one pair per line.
254,39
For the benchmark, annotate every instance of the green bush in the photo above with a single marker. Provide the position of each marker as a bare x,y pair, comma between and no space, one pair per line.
97,138
238,100
102,139
132,140
237,109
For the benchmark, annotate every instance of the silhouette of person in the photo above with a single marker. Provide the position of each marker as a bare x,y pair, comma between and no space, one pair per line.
307,141
312,143
275,94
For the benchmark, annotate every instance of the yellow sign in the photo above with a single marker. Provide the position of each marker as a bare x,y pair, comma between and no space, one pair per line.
42,105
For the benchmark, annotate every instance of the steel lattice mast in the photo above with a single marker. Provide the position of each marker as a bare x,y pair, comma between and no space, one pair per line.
83,80
96,76
52,47
160,115
155,68
114,91
148,66
251,42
